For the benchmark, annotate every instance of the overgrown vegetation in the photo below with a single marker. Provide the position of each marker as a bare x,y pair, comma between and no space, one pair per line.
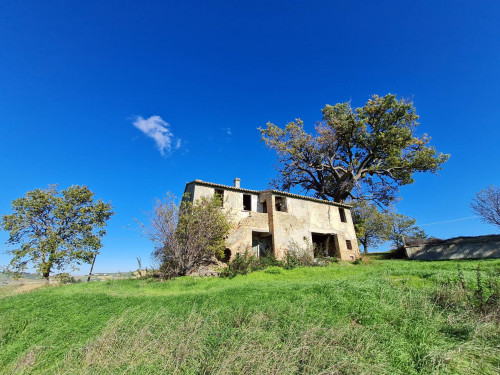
479,296
381,317
188,234
243,264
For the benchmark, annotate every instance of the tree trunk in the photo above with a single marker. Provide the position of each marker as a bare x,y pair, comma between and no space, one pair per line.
46,271
91,268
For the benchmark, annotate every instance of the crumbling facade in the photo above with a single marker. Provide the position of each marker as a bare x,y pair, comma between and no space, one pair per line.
274,222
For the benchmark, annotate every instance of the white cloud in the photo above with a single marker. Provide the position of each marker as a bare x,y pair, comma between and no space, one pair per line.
178,144
158,129
228,131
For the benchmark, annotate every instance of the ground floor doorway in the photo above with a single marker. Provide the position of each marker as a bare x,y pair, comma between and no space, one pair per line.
325,245
262,244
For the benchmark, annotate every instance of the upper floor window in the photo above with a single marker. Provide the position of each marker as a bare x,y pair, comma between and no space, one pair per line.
219,193
247,202
343,218
280,204
348,244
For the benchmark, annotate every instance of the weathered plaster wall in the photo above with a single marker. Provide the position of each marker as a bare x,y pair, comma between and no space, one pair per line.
291,230
304,217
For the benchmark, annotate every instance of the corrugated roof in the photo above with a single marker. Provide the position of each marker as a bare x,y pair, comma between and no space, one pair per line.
275,192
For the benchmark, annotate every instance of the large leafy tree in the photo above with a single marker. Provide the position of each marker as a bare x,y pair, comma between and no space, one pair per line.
372,226
55,229
362,153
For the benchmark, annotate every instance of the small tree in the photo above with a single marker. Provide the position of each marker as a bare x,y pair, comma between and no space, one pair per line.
404,227
372,227
187,235
486,204
55,229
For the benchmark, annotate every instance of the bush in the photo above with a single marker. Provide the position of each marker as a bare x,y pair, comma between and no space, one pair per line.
187,235
246,263
241,265
66,278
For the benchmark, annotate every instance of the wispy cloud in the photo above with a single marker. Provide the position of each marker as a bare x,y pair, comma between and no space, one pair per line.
228,131
158,129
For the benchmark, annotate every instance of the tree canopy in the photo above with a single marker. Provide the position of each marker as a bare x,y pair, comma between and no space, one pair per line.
372,226
362,153
403,228
56,230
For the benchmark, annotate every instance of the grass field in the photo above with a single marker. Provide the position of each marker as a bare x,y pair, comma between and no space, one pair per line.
383,317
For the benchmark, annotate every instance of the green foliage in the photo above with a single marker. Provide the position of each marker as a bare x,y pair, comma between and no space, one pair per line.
204,214
480,296
372,227
187,234
246,263
56,229
66,278
368,151
380,318
241,264
404,227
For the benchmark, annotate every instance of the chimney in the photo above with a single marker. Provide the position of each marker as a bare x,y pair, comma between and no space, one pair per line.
237,182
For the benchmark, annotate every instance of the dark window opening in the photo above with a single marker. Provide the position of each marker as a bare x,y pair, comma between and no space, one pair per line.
264,207
324,245
227,256
219,193
247,202
349,245
342,215
280,204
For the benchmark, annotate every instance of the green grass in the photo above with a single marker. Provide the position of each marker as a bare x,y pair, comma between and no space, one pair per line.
375,318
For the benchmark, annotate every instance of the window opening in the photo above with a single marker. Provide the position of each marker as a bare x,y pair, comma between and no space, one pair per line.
342,215
280,204
349,245
264,207
219,193
247,202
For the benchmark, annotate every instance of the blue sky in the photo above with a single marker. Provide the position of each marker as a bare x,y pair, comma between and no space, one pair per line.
76,76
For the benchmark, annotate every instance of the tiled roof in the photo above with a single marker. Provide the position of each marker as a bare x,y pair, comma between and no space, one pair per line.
275,192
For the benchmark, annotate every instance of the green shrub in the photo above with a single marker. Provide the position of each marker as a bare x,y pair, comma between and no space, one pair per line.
241,265
66,278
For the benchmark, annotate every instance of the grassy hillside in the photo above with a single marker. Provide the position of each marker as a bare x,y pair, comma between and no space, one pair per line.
385,317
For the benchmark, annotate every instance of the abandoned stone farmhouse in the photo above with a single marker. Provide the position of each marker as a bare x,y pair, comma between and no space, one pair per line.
274,222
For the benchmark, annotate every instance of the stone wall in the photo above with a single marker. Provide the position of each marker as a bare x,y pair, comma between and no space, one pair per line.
457,248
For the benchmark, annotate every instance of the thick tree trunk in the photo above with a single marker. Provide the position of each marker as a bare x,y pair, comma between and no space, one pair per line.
46,271
365,247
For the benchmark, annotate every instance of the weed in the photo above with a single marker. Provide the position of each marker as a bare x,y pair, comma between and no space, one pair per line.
479,296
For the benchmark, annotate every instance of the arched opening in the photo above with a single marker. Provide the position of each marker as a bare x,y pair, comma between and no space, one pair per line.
227,256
